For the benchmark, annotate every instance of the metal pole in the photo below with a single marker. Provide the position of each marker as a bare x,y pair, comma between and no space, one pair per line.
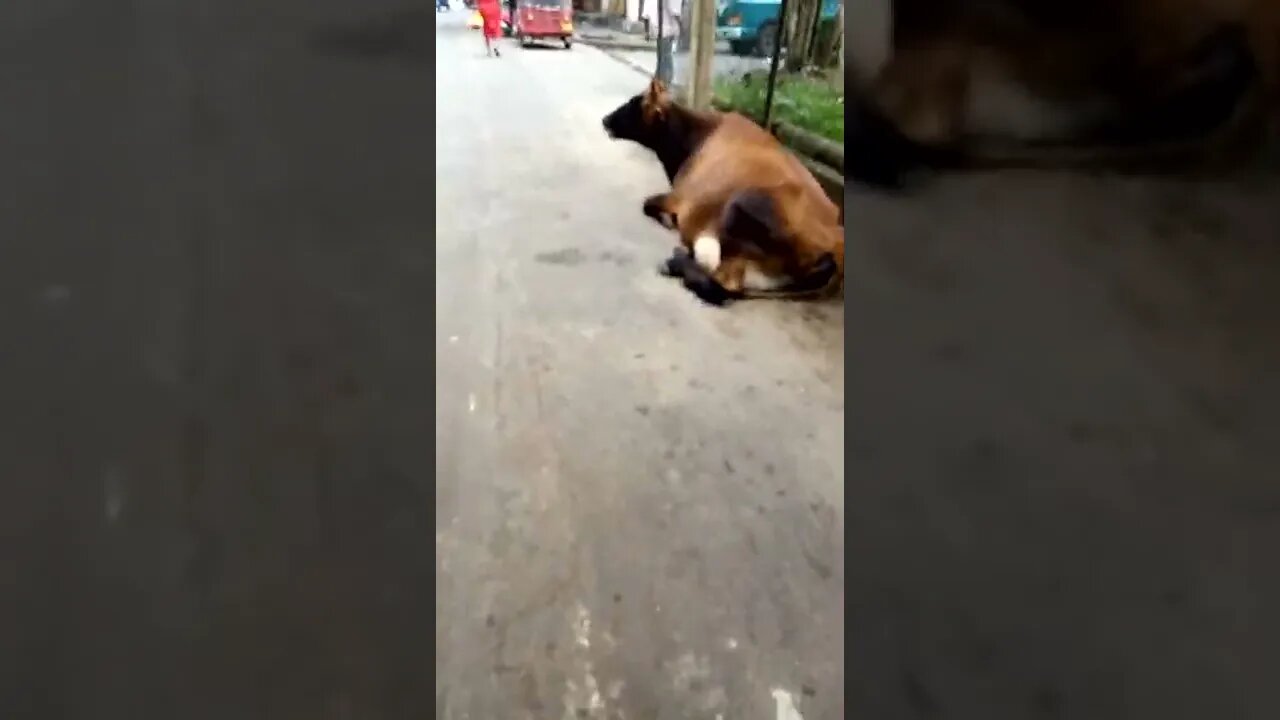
773,63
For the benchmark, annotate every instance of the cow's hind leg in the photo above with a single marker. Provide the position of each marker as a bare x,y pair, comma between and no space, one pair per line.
731,275
658,207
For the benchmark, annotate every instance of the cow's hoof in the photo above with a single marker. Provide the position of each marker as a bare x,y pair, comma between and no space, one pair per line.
670,268
674,266
708,290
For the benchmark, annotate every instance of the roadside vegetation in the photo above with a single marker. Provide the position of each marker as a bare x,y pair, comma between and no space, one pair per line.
810,86
809,102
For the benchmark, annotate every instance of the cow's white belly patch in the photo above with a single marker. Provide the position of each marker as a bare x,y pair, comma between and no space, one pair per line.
754,279
706,252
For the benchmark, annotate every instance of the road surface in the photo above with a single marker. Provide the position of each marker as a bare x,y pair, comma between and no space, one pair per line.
639,498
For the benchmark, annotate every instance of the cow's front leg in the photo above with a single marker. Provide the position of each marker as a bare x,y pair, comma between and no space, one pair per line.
659,207
700,281
704,284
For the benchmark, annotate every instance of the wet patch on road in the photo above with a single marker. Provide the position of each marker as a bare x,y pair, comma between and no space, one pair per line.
567,256
616,258
572,256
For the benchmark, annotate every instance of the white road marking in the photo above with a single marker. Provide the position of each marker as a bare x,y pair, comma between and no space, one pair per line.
695,685
583,696
615,690
582,627
706,252
785,705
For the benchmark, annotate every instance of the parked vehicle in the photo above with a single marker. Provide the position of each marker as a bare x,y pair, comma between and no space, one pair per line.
543,20
751,26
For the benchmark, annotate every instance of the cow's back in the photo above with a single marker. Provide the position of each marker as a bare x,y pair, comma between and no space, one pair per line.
741,154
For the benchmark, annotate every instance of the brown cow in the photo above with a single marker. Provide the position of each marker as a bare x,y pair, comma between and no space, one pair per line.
1032,83
753,222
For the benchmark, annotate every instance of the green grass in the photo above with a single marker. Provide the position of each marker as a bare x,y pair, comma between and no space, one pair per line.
813,104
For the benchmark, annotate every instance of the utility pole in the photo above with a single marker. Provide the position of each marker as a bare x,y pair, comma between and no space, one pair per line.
702,52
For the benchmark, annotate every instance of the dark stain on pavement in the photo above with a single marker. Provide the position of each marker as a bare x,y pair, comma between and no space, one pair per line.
573,256
567,256
616,258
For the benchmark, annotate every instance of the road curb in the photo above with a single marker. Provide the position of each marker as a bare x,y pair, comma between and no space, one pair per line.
608,50
613,45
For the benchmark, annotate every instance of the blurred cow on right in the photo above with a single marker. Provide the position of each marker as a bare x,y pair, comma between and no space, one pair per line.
1130,84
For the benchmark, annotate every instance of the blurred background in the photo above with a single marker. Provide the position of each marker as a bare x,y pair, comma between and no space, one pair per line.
1063,381
214,275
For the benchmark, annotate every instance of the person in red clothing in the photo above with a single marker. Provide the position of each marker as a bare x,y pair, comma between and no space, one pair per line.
491,14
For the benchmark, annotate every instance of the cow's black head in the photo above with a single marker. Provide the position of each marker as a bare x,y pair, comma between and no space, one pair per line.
653,120
642,118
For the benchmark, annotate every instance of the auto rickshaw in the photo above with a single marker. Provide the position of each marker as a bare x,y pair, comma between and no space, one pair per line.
543,20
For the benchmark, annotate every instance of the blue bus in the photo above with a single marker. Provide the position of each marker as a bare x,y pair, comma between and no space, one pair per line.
751,26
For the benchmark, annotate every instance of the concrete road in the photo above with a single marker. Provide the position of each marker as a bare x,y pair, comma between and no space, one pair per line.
1064,488
215,280
639,498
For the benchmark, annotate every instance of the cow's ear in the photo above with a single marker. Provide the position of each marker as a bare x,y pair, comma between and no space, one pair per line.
656,99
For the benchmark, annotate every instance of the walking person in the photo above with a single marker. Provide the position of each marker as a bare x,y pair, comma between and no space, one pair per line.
667,15
491,14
